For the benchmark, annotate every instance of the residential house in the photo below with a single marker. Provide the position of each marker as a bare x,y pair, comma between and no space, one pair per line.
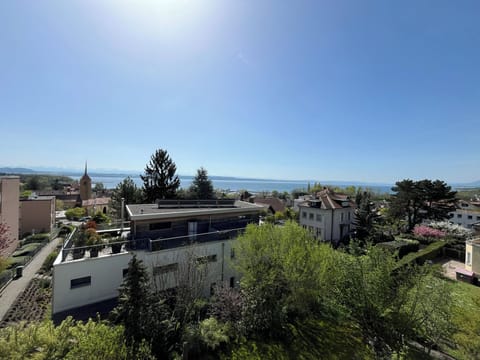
328,215
9,210
271,205
164,236
472,255
466,214
37,214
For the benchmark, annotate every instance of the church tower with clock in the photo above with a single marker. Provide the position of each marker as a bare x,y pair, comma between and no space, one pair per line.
85,186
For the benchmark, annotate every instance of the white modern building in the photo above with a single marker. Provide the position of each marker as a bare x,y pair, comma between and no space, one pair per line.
466,214
166,237
329,216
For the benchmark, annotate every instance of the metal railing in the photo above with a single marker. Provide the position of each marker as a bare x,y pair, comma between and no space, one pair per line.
71,252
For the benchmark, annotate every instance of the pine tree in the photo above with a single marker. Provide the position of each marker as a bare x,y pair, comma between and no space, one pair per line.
129,192
160,180
202,187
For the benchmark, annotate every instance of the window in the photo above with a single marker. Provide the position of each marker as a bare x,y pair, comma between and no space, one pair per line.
160,226
349,216
232,253
124,272
83,281
232,282
451,215
319,217
158,270
459,216
207,259
341,217
310,217
478,217
470,217
318,233
469,258
304,214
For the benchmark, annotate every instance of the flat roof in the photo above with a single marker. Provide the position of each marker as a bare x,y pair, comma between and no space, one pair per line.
38,198
153,211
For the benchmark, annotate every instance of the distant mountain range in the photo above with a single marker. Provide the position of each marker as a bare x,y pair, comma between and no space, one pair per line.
125,173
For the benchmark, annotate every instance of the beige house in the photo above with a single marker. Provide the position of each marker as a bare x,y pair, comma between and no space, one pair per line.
9,210
472,255
37,214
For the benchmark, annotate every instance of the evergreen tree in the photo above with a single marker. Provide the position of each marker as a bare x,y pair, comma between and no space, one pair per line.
202,187
143,314
160,180
129,192
133,302
419,200
365,215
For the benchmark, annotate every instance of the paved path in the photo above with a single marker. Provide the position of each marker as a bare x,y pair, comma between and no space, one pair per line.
10,293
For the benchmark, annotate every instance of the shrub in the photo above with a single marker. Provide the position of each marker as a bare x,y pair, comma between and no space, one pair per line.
27,250
427,233
403,247
75,213
429,253
48,263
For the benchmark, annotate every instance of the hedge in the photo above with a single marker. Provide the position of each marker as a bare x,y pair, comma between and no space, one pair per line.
25,250
403,247
428,253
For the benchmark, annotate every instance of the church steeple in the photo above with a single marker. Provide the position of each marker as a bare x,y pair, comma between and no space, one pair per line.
85,186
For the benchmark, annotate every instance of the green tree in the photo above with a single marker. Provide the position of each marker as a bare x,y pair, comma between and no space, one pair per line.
419,200
75,213
143,315
99,187
285,273
33,183
160,180
129,192
365,216
202,187
69,340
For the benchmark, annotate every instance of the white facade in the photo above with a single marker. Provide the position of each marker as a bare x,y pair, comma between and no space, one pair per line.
87,281
327,224
466,214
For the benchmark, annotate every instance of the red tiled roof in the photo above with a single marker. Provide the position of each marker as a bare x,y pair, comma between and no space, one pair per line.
331,200
276,204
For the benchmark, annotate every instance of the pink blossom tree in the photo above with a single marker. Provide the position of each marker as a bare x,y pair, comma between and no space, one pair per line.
4,238
428,232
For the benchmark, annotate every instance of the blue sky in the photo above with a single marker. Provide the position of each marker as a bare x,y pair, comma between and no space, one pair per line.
329,90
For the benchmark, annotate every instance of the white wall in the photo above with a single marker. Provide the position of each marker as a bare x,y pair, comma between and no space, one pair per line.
465,213
107,273
326,223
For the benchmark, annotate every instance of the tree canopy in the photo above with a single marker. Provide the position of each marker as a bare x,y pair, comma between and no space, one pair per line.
129,192
160,180
202,187
419,200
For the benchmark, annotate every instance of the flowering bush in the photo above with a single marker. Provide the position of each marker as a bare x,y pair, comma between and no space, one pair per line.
428,232
454,230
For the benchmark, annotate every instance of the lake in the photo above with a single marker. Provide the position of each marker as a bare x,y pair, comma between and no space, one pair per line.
110,181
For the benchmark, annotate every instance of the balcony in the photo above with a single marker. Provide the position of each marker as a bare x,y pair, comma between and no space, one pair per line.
70,252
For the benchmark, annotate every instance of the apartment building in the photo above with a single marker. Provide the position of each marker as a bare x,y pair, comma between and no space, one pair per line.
164,236
9,210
